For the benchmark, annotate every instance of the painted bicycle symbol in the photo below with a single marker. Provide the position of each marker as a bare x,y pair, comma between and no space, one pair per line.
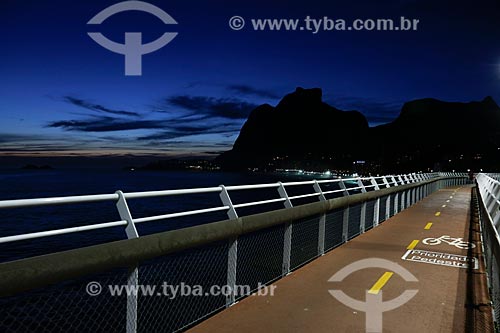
457,242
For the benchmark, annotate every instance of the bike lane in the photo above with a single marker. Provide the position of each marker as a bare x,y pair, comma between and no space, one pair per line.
361,286
444,238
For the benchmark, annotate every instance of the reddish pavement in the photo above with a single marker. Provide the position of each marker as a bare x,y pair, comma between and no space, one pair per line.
302,301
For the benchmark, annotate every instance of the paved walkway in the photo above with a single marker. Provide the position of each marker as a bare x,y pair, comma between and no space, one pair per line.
302,302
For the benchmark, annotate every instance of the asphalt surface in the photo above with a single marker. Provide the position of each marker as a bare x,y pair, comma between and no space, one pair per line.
302,301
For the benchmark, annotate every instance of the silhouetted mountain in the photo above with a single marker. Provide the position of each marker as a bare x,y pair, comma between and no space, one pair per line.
430,131
303,131
300,124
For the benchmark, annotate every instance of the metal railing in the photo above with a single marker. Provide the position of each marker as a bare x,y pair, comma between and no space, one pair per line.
489,190
130,223
50,290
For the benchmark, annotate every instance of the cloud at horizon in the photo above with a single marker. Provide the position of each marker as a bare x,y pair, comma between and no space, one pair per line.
209,123
97,107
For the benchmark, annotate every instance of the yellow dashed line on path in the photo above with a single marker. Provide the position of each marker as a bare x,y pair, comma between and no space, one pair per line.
428,226
412,244
380,283
438,214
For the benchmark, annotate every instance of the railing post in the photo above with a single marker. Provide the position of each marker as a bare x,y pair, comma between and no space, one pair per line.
133,277
388,207
345,225
362,224
396,203
287,241
226,201
345,217
360,184
317,189
403,200
376,212
374,183
386,183
125,215
232,257
343,187
322,221
376,206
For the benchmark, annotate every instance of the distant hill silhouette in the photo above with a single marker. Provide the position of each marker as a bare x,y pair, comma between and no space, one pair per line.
303,131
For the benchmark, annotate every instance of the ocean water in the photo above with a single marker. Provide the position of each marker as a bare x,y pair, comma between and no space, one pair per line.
23,184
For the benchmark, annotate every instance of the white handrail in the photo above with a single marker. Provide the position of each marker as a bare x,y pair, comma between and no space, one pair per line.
116,197
61,231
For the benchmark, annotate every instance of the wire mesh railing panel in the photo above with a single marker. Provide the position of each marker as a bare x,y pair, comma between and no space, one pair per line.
260,257
193,273
392,204
304,241
68,307
353,227
370,211
489,194
333,229
493,271
495,290
383,209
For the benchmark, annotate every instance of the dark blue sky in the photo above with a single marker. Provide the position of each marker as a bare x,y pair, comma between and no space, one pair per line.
62,94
